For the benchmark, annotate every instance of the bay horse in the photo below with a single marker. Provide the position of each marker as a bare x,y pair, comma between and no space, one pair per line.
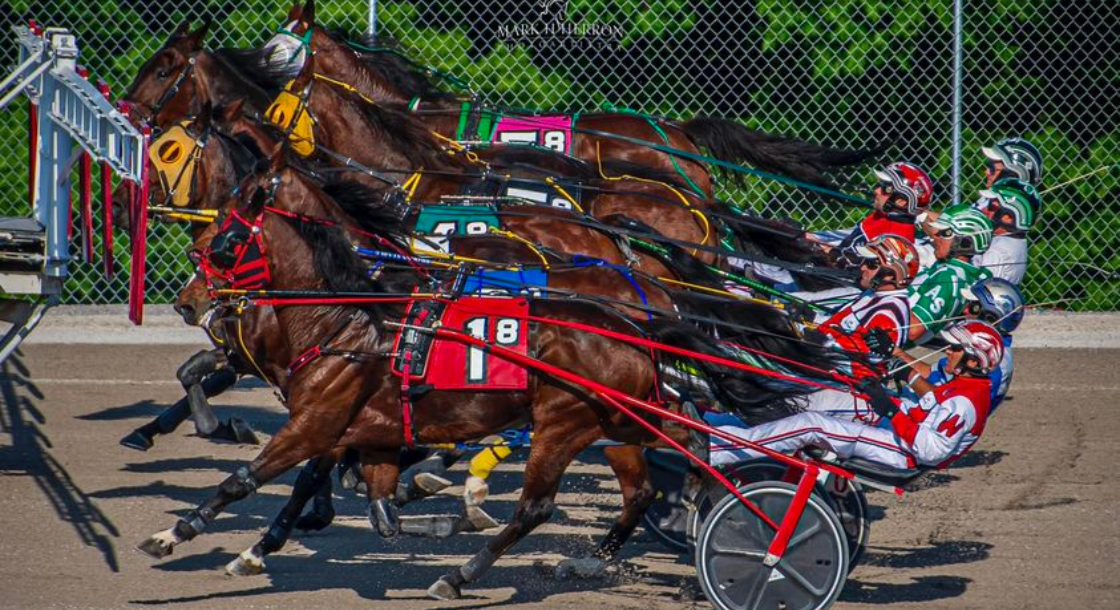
245,329
352,401
388,78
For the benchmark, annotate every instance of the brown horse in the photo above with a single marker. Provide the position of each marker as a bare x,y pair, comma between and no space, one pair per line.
352,400
387,78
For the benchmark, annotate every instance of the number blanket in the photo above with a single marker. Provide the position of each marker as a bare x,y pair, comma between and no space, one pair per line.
551,131
446,364
436,222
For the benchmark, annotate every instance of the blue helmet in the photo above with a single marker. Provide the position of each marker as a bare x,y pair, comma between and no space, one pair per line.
1000,303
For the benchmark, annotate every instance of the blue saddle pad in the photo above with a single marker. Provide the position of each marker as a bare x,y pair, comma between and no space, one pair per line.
505,282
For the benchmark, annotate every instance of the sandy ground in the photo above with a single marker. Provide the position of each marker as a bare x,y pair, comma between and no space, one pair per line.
1028,521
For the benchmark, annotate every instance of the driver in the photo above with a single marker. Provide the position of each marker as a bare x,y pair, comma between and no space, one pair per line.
932,431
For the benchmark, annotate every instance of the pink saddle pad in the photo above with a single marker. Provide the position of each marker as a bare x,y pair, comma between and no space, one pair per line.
553,131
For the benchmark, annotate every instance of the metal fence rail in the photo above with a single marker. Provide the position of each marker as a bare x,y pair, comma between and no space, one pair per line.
856,73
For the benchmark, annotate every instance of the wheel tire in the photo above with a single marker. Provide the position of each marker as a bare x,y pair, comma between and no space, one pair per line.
733,543
742,473
667,517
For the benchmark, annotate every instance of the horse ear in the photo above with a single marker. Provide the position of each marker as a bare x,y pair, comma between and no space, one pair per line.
195,38
181,29
295,13
309,13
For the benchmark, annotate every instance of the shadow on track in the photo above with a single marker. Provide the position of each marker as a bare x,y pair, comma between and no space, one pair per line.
28,453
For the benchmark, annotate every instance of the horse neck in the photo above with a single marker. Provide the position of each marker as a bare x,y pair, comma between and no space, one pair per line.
221,84
338,119
336,61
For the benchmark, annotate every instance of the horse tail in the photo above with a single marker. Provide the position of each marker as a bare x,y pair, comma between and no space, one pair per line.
754,398
791,157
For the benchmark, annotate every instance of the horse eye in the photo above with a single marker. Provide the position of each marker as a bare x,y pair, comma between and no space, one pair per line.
163,73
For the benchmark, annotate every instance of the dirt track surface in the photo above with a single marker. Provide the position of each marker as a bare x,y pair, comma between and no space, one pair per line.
1028,521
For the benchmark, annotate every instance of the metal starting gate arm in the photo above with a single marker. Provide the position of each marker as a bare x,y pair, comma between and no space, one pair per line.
69,118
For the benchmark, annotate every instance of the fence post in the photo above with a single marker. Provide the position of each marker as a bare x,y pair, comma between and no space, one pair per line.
958,44
371,24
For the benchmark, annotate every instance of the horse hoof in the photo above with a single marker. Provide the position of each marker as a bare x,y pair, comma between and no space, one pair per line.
431,483
242,433
479,519
443,590
348,479
138,440
313,522
246,564
383,517
431,526
156,547
585,568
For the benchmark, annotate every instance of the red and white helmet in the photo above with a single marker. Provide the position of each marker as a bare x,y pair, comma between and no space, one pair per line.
909,182
979,340
896,254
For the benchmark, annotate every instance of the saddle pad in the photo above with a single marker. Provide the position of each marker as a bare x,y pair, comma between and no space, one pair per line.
457,366
542,193
436,222
551,131
502,282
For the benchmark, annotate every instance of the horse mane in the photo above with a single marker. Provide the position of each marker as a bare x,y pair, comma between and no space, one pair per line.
333,258
367,207
255,66
542,160
392,64
410,137
242,151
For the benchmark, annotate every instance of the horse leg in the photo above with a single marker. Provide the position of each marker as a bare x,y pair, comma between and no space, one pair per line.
381,471
212,365
629,465
321,514
191,375
476,489
143,438
314,476
553,449
423,473
313,432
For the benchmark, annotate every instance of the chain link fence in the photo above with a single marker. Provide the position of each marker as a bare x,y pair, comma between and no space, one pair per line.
853,73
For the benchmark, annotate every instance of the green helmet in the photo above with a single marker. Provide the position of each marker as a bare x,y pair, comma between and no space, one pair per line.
969,228
1016,198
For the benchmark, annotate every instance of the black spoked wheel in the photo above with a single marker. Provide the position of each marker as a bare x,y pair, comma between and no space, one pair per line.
667,517
733,542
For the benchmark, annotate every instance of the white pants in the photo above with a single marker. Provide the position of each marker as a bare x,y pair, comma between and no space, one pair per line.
842,405
844,438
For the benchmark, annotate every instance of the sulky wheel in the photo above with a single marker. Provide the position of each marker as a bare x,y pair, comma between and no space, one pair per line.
847,500
742,473
667,517
733,543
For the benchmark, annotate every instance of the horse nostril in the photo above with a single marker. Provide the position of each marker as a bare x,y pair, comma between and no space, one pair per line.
186,311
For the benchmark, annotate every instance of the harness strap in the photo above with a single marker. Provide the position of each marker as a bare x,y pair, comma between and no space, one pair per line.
406,400
580,260
304,359
528,244
664,138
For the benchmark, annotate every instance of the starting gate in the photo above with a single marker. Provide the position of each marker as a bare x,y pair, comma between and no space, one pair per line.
71,121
